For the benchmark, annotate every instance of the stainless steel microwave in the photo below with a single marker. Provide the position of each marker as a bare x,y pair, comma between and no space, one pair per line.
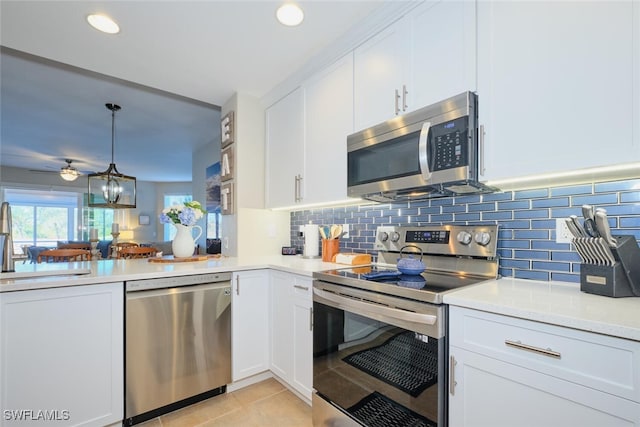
430,152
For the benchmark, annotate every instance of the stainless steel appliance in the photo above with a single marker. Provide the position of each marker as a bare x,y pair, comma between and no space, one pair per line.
380,337
178,343
431,152
7,238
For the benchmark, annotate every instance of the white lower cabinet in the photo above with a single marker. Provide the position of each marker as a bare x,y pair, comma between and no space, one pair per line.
512,372
61,356
249,323
291,334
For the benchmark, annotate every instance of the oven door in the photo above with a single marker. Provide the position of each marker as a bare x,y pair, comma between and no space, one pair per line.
377,360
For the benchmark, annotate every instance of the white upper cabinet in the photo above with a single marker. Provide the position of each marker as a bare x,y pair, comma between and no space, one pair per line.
380,70
556,84
444,51
285,150
307,139
328,120
425,57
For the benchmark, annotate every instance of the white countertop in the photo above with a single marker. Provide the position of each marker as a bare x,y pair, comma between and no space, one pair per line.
558,303
107,271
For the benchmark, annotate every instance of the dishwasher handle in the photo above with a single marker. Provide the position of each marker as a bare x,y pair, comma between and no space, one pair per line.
180,290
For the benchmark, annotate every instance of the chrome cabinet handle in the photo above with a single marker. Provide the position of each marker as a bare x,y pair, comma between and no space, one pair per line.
481,149
298,188
452,375
397,99
404,98
237,285
304,288
300,195
538,350
311,318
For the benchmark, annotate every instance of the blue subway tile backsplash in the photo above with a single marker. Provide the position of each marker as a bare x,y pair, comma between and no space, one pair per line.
527,220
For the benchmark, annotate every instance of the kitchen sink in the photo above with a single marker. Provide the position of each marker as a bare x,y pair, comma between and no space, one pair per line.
33,273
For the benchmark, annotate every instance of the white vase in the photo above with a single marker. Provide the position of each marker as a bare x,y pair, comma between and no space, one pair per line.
184,243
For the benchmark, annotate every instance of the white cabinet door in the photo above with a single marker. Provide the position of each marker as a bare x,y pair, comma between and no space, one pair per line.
62,351
328,121
489,392
444,51
380,70
303,336
291,335
281,325
250,323
285,150
556,85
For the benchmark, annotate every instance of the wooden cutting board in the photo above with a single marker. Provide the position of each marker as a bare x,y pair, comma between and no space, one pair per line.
170,259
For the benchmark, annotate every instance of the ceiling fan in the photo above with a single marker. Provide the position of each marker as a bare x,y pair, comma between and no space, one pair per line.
67,173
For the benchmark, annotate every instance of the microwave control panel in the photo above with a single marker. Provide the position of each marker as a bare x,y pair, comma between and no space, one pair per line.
449,144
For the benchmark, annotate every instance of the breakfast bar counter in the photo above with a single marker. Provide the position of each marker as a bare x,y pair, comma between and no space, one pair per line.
42,276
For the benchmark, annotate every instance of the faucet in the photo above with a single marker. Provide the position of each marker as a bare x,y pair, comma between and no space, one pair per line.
7,245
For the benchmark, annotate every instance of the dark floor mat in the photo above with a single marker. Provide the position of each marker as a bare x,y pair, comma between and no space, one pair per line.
376,410
402,361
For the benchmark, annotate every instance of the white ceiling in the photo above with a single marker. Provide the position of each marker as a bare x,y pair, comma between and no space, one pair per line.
189,57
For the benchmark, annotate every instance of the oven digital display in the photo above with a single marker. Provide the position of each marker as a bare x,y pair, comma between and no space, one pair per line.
422,236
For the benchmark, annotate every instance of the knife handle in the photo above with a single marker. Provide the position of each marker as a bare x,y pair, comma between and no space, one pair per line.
588,212
602,222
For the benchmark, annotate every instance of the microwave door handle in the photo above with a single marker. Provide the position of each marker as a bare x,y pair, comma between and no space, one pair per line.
423,151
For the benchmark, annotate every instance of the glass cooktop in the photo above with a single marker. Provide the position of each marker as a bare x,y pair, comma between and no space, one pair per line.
428,286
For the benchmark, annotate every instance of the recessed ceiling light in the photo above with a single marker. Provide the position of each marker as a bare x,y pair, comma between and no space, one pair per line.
103,23
290,14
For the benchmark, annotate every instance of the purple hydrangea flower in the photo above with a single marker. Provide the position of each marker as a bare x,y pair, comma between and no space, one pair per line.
187,217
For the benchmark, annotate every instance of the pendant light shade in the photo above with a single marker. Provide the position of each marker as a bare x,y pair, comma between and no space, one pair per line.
111,189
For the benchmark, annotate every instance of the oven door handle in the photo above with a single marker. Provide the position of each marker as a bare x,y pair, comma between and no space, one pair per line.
423,151
374,309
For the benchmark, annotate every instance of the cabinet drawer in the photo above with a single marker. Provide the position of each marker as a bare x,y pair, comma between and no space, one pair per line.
303,287
598,361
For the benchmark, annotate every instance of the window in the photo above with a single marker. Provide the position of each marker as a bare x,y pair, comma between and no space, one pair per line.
100,219
169,230
43,218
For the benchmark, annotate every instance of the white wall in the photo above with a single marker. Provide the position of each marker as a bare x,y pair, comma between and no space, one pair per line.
251,230
202,159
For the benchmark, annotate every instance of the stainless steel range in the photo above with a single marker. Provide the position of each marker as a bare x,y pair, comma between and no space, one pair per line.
380,336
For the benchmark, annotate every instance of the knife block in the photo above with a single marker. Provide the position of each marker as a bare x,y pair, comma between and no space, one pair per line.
619,280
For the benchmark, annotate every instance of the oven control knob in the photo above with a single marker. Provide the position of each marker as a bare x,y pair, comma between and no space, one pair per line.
383,236
395,236
482,238
464,237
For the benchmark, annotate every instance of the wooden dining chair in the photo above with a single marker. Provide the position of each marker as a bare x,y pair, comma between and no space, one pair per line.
126,245
86,246
64,255
136,252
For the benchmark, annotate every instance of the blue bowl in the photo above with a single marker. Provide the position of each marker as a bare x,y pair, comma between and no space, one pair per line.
410,271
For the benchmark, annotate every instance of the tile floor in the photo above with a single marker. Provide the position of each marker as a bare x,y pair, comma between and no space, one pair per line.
267,403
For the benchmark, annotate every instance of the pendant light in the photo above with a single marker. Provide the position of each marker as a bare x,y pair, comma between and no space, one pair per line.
111,189
69,173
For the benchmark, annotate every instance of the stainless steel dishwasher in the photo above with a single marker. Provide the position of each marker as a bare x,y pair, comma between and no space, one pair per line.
178,343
